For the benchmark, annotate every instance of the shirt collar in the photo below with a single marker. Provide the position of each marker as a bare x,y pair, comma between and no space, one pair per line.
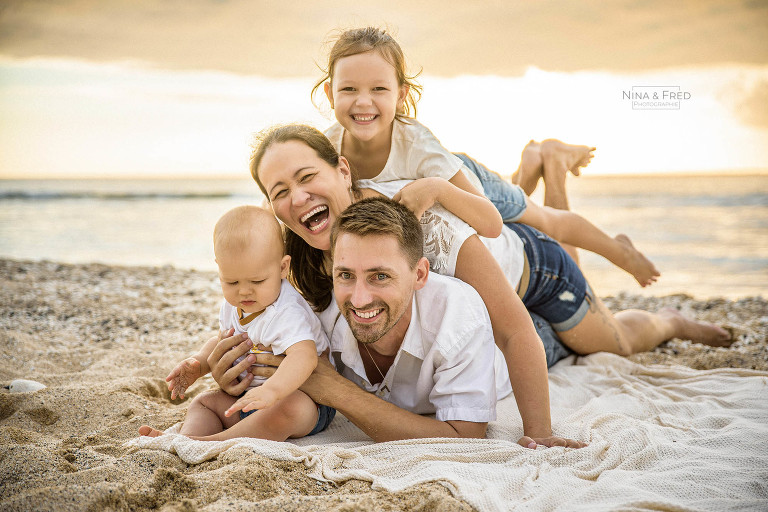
344,342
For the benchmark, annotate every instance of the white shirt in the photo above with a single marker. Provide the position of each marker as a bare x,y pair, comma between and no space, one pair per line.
283,323
448,363
444,234
414,153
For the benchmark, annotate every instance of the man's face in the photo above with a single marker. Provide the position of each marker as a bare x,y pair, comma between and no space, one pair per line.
374,284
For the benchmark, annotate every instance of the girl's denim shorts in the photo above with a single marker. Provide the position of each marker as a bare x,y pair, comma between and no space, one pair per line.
557,290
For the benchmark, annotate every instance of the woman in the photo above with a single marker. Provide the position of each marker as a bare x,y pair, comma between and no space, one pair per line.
308,184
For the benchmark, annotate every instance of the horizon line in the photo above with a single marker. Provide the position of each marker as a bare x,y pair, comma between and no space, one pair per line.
761,171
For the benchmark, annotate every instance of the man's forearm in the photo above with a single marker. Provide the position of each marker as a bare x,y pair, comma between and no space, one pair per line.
381,420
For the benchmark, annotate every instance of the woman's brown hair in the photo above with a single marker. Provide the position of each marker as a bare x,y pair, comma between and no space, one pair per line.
307,268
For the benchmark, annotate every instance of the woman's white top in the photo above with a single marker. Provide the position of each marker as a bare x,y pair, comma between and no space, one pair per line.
445,233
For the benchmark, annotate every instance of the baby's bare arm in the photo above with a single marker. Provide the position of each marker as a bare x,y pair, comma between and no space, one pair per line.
190,369
300,360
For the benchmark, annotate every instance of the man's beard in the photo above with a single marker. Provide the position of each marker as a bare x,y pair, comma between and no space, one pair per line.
369,333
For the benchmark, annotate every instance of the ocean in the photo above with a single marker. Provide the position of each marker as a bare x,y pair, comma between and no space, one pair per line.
707,234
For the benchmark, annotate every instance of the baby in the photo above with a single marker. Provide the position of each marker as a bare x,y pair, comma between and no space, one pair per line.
248,245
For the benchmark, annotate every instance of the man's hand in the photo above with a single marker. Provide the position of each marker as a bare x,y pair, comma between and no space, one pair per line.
532,442
224,354
181,377
256,398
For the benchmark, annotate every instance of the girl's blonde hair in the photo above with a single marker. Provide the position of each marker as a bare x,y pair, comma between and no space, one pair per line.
361,40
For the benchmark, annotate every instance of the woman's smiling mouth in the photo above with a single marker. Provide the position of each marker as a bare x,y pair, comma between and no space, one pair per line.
316,218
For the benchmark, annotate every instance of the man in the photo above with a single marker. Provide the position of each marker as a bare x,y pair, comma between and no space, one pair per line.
406,342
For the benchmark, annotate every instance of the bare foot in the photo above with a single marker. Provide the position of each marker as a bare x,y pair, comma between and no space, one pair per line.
698,332
530,170
635,262
559,157
146,430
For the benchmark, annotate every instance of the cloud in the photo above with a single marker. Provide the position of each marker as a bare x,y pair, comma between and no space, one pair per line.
445,37
752,109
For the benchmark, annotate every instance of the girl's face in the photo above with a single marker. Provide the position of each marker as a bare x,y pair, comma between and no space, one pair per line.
306,193
365,95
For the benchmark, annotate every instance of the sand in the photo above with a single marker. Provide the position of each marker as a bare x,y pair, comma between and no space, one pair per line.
102,338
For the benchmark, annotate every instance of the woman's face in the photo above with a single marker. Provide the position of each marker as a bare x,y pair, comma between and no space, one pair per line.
307,194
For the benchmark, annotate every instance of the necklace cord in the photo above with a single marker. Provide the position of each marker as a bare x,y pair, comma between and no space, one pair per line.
365,346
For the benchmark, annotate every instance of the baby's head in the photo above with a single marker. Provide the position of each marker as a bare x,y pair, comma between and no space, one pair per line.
248,244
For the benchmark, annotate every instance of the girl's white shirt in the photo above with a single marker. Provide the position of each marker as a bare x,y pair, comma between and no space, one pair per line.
415,153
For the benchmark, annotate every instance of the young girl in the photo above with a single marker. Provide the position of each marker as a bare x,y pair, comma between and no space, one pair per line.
373,99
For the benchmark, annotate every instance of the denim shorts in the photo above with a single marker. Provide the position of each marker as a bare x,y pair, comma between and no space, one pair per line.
508,198
553,347
325,415
557,290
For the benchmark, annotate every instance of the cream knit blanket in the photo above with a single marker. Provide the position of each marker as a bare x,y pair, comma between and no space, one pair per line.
660,438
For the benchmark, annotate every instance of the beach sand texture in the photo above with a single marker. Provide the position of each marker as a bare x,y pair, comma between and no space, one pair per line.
103,338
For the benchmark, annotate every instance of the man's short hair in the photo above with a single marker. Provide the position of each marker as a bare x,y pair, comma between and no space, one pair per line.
382,216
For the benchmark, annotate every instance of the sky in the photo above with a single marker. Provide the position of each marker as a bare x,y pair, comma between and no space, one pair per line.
118,88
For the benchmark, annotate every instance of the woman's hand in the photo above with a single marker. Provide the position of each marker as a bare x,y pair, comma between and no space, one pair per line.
420,195
224,354
549,442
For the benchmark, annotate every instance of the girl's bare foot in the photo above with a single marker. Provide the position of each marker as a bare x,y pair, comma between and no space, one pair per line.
635,262
559,157
530,170
146,430
698,332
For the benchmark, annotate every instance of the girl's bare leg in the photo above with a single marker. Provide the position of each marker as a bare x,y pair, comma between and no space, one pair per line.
557,160
529,172
632,331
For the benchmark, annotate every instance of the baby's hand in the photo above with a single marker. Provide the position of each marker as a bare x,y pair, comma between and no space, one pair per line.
420,195
256,398
181,377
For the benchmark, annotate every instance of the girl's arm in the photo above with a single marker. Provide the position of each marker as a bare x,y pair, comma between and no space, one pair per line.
457,196
300,360
571,228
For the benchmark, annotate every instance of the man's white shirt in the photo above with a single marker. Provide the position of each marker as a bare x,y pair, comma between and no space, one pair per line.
448,363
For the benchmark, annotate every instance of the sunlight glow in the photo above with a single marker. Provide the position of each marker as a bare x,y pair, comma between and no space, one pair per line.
70,118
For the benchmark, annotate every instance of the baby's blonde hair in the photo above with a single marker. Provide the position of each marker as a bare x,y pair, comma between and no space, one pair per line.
361,40
243,226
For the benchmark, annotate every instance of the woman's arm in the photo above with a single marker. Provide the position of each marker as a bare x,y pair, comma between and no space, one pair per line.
571,228
457,196
516,337
379,419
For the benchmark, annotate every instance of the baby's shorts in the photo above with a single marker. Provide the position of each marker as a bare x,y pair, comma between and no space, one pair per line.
325,415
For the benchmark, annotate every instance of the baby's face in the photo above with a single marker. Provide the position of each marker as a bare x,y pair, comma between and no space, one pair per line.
250,279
